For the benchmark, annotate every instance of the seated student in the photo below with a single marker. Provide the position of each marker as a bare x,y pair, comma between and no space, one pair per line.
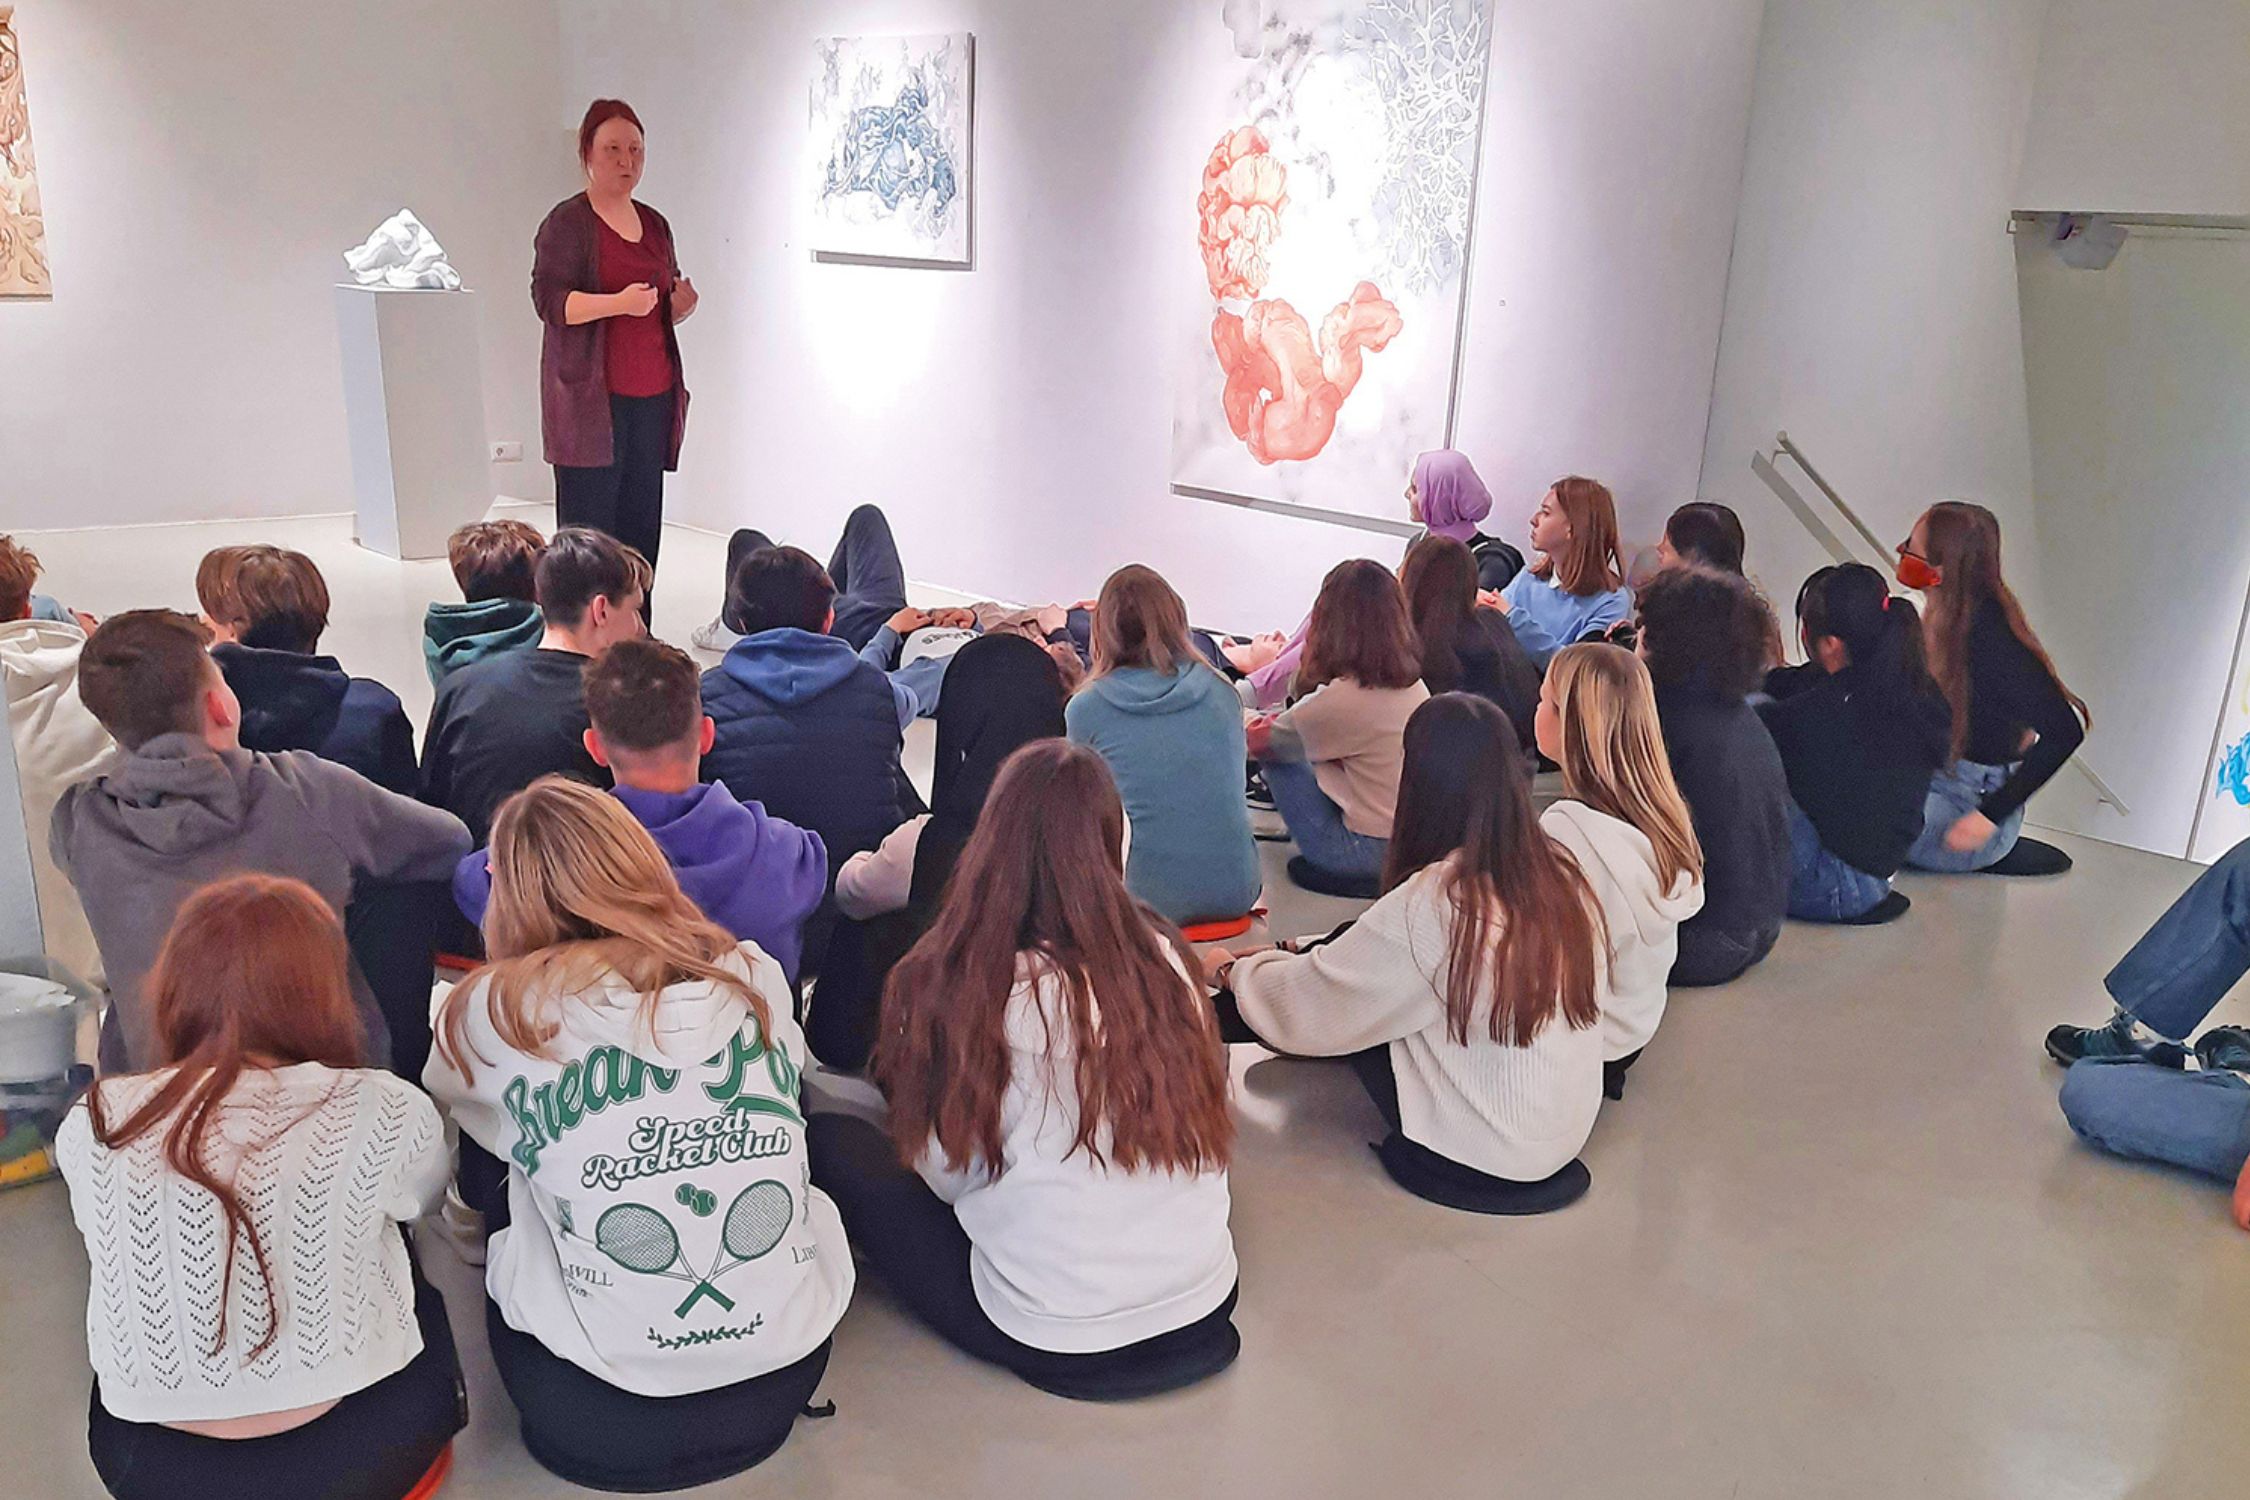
187,804
1469,997
1057,1081
1710,534
1332,757
1170,730
502,723
758,877
865,571
2129,1089
1466,648
803,723
1006,692
2014,723
256,1325
662,1279
1703,635
58,743
1623,818
496,564
266,608
1861,728
1575,586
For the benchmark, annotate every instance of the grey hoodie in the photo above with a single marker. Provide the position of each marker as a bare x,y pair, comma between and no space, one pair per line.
176,815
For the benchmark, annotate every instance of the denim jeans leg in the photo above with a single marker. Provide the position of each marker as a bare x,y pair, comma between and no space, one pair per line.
1822,887
2197,951
1955,792
1316,823
870,581
2200,1121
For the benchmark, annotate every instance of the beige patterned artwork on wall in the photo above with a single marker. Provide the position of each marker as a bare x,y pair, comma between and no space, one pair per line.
23,232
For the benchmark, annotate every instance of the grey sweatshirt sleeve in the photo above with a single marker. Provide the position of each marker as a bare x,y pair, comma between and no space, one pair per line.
383,835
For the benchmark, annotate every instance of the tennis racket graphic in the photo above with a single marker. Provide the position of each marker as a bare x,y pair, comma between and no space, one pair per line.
756,1221
641,1239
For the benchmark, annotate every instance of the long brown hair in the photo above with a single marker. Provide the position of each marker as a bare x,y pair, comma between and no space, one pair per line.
1964,541
1359,630
580,892
1139,621
1613,756
1525,918
1439,581
1592,564
1042,885
253,974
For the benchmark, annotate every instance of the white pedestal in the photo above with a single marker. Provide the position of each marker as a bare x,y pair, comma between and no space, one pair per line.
414,406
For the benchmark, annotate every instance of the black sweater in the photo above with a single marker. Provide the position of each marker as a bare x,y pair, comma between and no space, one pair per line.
1738,799
2011,693
1859,769
499,725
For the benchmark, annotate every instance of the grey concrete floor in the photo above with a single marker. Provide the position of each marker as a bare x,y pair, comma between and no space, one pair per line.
1839,1244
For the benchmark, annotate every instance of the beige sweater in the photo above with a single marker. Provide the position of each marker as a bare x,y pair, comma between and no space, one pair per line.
1520,1113
1355,738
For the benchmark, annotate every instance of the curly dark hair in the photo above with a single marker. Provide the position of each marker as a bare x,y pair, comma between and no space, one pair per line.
1705,630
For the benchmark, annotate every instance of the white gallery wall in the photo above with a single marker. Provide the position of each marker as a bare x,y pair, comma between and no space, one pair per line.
1015,419
203,169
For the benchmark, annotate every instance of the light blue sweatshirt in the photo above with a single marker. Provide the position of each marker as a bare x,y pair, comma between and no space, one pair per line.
1174,742
1546,619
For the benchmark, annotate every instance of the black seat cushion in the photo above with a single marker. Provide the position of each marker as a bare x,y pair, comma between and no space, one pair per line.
1426,1174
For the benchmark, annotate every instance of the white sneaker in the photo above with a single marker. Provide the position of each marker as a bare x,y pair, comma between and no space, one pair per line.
714,637
462,1227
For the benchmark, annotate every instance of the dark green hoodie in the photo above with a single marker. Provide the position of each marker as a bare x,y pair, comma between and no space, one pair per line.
454,635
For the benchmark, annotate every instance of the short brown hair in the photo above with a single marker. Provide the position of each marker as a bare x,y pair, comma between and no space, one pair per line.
581,565
643,695
19,570
1704,630
144,672
269,597
496,560
1359,629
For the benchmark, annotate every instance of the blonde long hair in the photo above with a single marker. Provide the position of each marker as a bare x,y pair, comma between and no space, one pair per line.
1613,756
580,892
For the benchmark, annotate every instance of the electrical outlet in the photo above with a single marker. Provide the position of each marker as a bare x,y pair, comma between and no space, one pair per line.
507,453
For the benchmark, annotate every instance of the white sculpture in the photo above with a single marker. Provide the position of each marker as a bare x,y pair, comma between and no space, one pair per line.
404,256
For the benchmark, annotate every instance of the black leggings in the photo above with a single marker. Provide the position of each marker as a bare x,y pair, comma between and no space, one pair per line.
911,1238
375,1444
583,1429
870,581
624,497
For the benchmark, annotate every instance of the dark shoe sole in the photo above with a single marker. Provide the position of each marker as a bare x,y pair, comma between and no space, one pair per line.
2030,857
1889,909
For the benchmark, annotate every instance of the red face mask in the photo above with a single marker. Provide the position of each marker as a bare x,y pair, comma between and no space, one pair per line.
1918,573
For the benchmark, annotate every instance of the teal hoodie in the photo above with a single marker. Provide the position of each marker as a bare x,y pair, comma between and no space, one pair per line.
1174,742
454,635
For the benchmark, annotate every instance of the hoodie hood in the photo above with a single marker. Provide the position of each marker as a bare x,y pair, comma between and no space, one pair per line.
704,832
790,666
694,1019
454,635
289,701
39,658
175,796
1621,863
1144,691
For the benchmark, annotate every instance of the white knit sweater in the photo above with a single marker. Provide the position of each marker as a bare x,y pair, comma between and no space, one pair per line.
328,1164
1520,1113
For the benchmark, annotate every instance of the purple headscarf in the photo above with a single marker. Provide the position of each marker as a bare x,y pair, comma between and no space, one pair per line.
1453,498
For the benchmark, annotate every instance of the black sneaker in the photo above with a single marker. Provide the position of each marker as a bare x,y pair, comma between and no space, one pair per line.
1257,794
2069,1044
2224,1049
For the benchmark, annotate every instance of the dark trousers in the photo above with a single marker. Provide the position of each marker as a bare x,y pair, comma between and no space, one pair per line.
911,1239
624,497
870,581
1709,955
374,1444
393,931
587,1431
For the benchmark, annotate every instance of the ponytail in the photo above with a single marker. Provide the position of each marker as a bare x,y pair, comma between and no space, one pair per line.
1882,631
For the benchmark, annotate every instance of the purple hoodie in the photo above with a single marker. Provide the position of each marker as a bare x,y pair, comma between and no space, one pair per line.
756,876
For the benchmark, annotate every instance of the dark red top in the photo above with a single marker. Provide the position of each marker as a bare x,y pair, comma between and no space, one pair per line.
639,360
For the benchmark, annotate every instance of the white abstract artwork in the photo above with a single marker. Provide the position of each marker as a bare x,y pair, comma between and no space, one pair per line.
1322,290
404,256
891,156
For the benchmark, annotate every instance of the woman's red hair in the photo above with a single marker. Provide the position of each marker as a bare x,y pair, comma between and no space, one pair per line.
1592,564
598,114
253,974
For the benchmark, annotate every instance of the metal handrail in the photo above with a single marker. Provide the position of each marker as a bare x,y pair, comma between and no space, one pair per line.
1837,548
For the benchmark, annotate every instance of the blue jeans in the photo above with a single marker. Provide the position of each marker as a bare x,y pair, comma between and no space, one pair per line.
1822,887
1955,792
2197,951
2200,1121
1317,823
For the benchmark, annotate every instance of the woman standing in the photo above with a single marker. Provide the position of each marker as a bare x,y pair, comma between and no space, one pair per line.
607,284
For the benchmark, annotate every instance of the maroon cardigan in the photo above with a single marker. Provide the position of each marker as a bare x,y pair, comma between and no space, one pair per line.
573,374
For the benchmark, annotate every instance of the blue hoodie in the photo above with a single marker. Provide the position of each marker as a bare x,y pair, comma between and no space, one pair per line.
1174,742
756,876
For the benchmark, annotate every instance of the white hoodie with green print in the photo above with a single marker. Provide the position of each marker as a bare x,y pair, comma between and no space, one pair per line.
664,1231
